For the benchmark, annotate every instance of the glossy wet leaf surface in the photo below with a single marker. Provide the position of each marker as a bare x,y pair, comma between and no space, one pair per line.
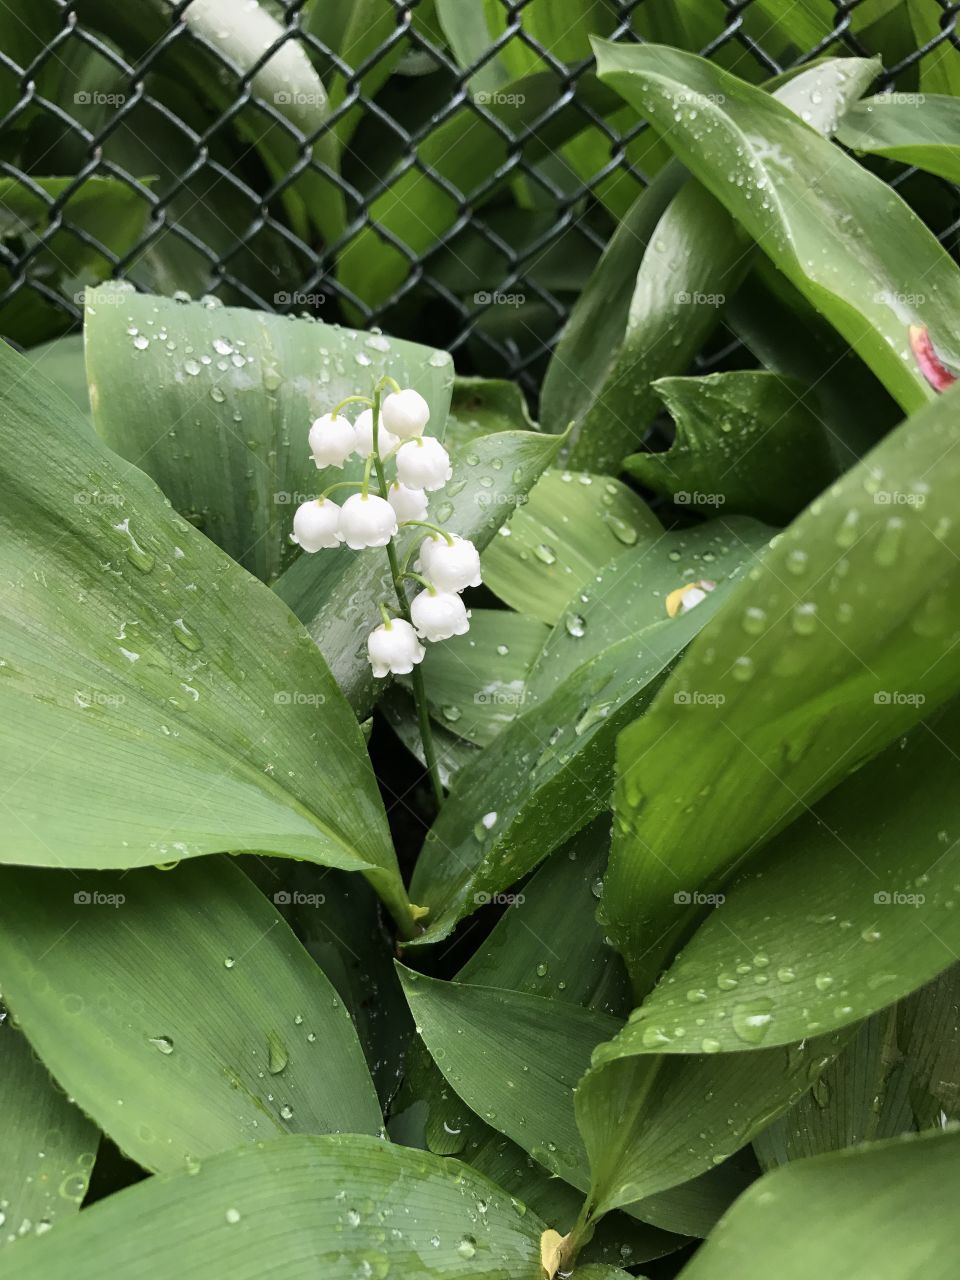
230,1035
49,1145
746,442
921,132
841,638
850,908
351,1206
215,403
171,702
844,238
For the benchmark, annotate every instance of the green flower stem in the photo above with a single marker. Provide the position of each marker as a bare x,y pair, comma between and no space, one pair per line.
418,577
425,524
351,400
341,484
419,689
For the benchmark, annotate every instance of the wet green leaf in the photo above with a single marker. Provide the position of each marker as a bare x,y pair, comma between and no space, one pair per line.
297,1205
179,1010
49,1145
569,527
841,638
746,442
921,132
215,403
852,907
841,236
881,1212
167,699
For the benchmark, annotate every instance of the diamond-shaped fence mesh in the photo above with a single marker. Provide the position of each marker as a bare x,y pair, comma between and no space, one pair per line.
449,169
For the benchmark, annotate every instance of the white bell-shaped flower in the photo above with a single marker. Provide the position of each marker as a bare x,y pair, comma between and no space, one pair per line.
394,647
316,524
367,521
363,435
405,413
332,441
409,504
438,615
423,463
451,568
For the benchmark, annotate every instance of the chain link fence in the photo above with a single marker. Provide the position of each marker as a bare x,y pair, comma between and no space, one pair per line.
448,170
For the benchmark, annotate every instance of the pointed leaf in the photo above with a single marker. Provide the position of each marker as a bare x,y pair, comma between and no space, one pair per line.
179,1010
301,1207
168,700
921,132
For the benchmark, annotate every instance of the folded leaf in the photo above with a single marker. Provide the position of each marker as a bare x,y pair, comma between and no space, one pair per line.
843,636
850,908
49,1145
746,442
921,132
215,404
300,1206
842,236
168,700
179,1010
880,1212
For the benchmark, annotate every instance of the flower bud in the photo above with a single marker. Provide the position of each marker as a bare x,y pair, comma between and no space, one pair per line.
409,504
367,521
363,435
438,615
451,568
405,413
423,463
332,441
316,524
394,647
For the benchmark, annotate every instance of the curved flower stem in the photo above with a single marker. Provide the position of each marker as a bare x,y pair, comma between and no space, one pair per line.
350,400
435,528
341,484
418,577
416,677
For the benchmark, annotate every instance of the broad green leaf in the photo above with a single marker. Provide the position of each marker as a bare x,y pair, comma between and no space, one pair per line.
569,527
215,404
651,1120
658,292
168,700
337,599
862,1096
361,34
628,598
61,361
480,406
337,918
476,682
745,442
49,1146
922,132
850,908
940,65
514,1059
844,238
179,1010
928,1029
301,1207
843,636
104,212
879,1212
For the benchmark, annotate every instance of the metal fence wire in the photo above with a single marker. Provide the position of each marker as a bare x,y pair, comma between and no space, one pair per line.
449,169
